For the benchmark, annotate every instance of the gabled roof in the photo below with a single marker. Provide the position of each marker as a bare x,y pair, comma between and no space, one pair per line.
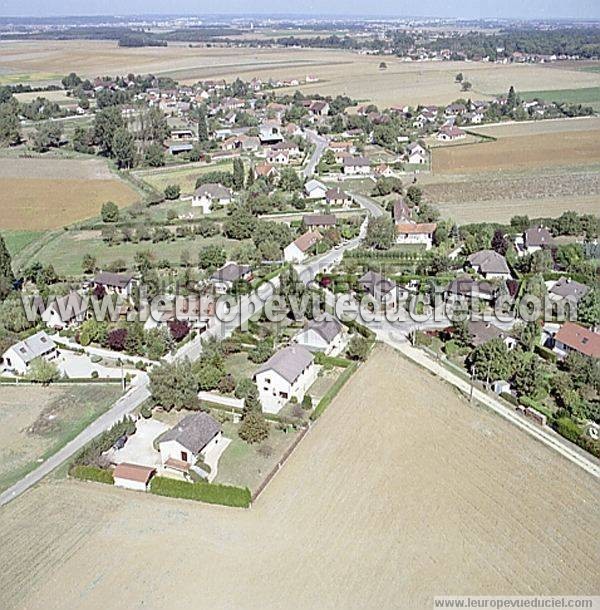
579,338
401,211
481,332
566,287
230,272
336,193
313,184
328,327
33,347
416,228
538,237
465,285
193,432
489,261
356,161
307,241
288,362
319,220
375,283
117,280
133,472
213,190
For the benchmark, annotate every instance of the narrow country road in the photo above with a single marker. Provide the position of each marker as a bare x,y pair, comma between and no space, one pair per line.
320,144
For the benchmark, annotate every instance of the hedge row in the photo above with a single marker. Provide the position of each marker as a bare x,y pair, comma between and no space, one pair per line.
226,495
91,473
333,391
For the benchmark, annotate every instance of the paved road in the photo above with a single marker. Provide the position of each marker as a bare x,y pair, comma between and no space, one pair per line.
368,203
320,144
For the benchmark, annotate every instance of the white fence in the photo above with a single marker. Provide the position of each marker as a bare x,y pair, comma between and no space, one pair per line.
228,401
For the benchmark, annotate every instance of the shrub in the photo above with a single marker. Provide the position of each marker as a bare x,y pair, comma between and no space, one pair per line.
254,428
95,375
172,191
91,473
146,411
95,359
211,493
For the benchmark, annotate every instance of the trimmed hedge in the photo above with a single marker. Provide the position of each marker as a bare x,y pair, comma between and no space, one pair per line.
91,473
334,390
545,353
226,495
534,404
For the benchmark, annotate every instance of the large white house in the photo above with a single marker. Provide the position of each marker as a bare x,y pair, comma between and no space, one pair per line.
65,311
17,358
298,250
324,335
356,166
415,233
181,446
206,195
288,373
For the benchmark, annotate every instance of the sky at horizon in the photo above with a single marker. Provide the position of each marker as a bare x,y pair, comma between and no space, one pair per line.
465,9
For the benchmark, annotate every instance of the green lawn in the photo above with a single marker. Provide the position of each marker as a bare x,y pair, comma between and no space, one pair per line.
37,421
18,240
243,465
184,177
588,96
240,366
66,250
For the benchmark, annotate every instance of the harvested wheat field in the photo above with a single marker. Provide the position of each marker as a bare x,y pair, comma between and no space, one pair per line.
339,71
402,491
37,194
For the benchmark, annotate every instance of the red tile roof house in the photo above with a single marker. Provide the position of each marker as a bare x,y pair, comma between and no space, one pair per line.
572,337
298,250
415,233
449,133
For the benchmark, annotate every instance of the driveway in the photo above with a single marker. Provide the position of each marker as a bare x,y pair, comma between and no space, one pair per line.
81,366
212,456
138,449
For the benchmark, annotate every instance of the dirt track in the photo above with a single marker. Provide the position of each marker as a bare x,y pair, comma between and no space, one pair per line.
402,491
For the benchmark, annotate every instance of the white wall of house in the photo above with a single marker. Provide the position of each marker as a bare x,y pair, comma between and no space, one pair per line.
52,319
293,254
174,449
317,193
314,342
353,170
12,361
275,392
415,239
129,484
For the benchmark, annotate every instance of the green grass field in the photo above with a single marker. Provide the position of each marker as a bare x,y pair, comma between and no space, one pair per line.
589,96
66,250
18,240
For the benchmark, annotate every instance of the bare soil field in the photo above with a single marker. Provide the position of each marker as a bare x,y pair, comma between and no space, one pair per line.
339,71
41,194
35,421
392,498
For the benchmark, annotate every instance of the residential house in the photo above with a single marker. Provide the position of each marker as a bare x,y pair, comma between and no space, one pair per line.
206,195
280,157
266,170
17,358
290,148
114,283
481,332
65,311
490,264
449,133
319,108
323,335
469,288
455,109
319,221
270,134
337,197
415,154
132,476
567,289
197,310
356,166
401,213
182,134
415,233
537,238
383,291
299,249
572,337
383,170
315,189
342,146
287,374
224,278
192,438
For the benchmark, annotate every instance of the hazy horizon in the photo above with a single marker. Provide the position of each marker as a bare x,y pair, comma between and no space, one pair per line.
468,9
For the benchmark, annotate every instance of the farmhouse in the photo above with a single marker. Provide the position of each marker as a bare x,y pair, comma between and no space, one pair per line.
319,221
490,264
114,283
449,133
324,335
208,194
132,476
17,358
65,311
298,250
415,233
337,197
572,337
356,166
288,373
319,108
224,278
193,437
315,189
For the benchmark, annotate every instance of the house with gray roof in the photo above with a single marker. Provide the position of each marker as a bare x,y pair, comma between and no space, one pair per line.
537,238
114,283
567,289
223,279
490,264
17,358
210,194
193,437
287,374
323,335
65,311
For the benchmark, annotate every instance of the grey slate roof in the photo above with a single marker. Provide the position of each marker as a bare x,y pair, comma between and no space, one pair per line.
356,161
231,272
481,332
118,280
328,327
33,347
538,237
566,287
194,432
213,190
401,211
289,362
318,220
489,261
